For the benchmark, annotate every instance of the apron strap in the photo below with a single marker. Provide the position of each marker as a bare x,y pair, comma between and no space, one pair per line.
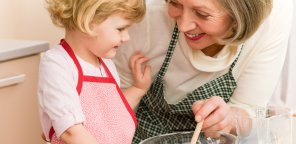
170,52
109,74
234,62
130,110
69,50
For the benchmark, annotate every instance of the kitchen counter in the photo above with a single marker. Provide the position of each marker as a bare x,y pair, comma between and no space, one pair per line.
10,49
19,66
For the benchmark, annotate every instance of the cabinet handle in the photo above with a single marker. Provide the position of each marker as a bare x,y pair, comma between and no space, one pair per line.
12,80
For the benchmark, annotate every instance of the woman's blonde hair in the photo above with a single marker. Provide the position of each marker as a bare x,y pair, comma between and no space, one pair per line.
81,14
247,16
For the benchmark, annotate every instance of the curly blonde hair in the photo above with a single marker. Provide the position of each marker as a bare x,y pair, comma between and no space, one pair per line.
80,14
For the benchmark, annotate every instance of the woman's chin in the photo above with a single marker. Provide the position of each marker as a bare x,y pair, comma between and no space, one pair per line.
195,46
198,45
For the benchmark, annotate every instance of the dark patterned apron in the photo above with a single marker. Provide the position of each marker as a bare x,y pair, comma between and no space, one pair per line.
156,116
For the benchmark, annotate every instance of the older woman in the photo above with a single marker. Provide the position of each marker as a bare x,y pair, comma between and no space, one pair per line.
229,52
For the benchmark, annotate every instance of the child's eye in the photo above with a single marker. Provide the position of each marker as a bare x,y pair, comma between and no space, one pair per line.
174,3
121,29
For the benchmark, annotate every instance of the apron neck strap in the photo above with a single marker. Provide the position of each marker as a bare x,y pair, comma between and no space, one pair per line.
69,50
169,54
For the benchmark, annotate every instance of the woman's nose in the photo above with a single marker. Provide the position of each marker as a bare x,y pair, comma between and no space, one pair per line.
185,22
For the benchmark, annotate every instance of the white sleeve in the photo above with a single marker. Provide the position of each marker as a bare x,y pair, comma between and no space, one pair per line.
285,92
58,98
260,71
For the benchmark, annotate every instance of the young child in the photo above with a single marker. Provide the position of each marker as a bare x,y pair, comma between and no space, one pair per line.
79,97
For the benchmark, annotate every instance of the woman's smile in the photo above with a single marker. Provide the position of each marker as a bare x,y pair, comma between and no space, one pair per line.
194,37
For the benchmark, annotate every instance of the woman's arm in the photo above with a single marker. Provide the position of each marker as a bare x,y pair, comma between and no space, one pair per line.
260,68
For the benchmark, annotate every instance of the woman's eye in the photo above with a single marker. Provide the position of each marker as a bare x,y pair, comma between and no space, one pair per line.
201,15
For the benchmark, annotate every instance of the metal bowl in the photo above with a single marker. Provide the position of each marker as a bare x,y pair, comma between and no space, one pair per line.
185,138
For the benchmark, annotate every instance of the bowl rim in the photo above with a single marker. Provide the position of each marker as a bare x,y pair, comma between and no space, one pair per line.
185,132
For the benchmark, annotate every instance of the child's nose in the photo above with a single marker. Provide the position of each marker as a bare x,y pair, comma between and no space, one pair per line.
125,36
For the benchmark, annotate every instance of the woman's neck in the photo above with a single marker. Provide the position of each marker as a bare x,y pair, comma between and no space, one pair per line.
212,50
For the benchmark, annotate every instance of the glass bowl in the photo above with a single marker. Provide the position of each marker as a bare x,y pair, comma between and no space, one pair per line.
185,138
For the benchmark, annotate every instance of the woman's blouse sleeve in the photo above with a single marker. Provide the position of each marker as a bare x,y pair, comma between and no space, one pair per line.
262,59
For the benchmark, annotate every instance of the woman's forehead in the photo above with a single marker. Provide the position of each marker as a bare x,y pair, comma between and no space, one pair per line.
210,6
199,3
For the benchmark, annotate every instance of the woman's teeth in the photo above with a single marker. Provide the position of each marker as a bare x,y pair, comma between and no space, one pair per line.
191,35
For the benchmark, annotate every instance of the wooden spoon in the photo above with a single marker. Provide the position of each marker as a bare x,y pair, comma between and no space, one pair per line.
196,132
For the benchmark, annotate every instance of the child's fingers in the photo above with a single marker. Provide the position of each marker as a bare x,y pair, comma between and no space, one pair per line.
134,58
147,73
138,65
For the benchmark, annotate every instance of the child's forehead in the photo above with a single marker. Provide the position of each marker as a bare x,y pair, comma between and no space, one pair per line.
119,19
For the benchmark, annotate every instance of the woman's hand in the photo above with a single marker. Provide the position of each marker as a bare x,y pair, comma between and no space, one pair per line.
217,115
141,71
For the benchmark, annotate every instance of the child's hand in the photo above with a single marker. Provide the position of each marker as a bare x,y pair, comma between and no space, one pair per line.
141,71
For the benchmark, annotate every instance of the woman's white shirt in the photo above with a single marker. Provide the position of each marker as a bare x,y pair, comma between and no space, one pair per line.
256,71
285,94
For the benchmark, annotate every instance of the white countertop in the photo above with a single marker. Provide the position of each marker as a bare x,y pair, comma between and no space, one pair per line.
10,49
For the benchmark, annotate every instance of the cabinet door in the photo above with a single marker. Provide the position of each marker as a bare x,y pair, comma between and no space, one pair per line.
19,120
294,128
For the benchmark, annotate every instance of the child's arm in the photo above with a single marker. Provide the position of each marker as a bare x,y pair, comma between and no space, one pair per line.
77,134
142,79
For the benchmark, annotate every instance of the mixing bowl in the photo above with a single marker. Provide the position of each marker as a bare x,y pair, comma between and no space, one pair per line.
185,138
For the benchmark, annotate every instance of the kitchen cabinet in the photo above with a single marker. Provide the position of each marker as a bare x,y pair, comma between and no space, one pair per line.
19,119
294,128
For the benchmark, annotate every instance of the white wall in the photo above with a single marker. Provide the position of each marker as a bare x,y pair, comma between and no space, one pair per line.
285,94
28,20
